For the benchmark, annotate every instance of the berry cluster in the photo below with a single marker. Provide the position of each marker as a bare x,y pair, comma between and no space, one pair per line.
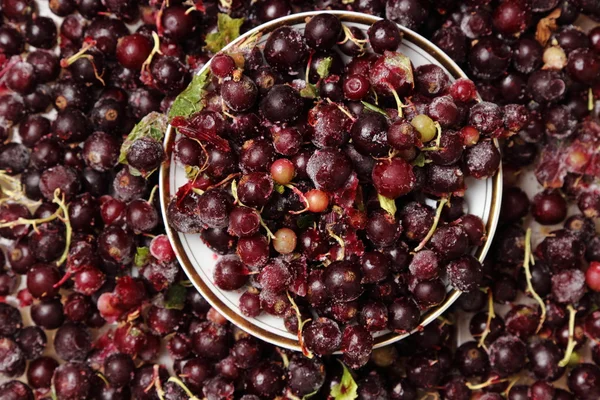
93,304
315,190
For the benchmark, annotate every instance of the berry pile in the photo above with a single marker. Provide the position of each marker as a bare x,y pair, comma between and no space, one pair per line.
315,190
93,304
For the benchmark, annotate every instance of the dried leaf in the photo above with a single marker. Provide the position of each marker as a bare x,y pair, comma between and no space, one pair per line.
546,26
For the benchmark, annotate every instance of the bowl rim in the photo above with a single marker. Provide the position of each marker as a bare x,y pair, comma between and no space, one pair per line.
207,293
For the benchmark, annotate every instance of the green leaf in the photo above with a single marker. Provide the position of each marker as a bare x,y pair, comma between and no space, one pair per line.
142,255
374,108
152,126
387,204
175,297
324,67
279,188
228,29
420,161
190,100
309,91
347,389
136,172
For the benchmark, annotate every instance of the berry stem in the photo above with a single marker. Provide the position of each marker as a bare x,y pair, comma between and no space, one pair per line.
155,50
399,103
491,315
349,36
152,193
526,261
571,343
491,381
342,109
511,383
307,353
590,99
158,385
269,233
302,199
102,377
436,220
234,193
33,222
340,242
15,191
438,137
60,201
307,73
284,358
65,62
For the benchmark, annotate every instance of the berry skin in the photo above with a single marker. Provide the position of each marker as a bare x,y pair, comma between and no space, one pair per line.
592,276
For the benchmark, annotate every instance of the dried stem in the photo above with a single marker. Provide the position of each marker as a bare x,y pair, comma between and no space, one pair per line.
571,343
490,317
526,261
436,220
307,353
491,381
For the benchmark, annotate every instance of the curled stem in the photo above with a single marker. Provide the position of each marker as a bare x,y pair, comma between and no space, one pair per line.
512,383
491,381
158,385
302,197
284,358
436,220
269,233
33,222
307,353
65,62
360,43
490,317
571,343
155,50
399,103
526,261
340,242
152,193
60,201
103,378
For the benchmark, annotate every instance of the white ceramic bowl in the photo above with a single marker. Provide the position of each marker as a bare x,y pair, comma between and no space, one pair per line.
198,261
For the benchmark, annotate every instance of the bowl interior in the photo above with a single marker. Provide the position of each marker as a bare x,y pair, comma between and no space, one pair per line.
198,261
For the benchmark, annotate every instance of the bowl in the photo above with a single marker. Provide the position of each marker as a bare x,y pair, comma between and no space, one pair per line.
483,198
